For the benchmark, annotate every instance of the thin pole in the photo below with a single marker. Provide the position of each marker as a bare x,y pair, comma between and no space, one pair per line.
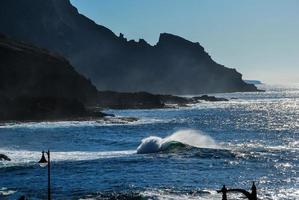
253,191
49,176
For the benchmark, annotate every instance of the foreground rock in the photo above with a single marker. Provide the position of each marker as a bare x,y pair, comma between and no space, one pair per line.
4,158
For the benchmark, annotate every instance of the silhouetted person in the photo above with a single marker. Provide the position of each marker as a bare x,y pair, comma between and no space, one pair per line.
224,192
253,191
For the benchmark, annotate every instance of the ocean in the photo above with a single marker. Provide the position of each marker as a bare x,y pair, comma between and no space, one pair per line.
168,154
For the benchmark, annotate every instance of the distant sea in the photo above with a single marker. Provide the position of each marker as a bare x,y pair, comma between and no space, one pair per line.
187,153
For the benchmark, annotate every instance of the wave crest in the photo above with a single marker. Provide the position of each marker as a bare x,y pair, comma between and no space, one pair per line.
182,138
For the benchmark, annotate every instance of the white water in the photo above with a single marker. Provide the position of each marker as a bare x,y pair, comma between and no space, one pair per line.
107,121
23,157
5,192
189,137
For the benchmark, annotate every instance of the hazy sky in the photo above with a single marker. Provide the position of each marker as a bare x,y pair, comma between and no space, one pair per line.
260,38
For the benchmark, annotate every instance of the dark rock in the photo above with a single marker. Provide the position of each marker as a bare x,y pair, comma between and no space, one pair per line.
119,120
209,98
138,100
38,85
25,108
172,66
29,71
4,157
171,99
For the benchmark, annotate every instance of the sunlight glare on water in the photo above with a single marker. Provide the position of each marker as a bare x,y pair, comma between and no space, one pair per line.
252,137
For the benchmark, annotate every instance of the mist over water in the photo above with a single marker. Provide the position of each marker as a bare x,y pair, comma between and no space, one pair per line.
187,153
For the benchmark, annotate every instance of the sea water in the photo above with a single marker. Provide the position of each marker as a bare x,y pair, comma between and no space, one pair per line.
180,153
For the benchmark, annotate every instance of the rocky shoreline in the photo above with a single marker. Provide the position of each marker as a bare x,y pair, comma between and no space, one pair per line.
48,109
144,100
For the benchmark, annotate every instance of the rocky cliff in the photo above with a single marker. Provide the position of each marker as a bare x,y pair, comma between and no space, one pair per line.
173,66
38,85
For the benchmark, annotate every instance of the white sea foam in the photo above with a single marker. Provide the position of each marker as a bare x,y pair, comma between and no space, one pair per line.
169,196
58,124
188,137
5,192
108,121
200,195
24,157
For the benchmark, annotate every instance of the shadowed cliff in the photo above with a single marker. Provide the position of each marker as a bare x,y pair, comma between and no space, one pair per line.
38,85
173,66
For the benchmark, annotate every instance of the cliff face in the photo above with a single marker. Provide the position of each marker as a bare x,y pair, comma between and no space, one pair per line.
174,65
29,71
37,85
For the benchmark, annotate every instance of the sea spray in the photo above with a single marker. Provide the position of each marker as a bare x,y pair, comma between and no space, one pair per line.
151,144
188,137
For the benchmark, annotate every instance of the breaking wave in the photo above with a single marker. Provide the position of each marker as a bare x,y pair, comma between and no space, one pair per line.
178,140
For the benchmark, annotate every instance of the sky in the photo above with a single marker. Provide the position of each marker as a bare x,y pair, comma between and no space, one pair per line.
260,38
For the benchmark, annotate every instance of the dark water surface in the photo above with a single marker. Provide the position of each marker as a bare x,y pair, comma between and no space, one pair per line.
252,138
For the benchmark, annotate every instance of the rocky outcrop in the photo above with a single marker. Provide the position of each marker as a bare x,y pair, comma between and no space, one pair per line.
38,85
172,66
171,99
144,100
138,100
4,157
209,98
